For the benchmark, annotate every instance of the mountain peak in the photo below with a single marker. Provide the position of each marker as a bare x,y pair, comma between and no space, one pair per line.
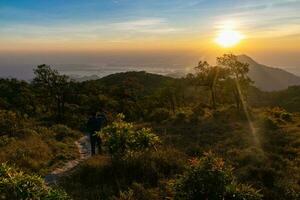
269,78
246,59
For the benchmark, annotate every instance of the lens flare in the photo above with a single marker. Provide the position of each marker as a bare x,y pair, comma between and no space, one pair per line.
228,34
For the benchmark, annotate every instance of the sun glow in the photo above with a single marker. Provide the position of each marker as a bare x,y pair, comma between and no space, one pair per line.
228,36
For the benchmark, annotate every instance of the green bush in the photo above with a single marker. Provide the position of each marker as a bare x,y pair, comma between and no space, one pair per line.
16,185
182,116
209,178
280,114
150,167
10,123
159,115
121,138
198,113
286,116
168,161
30,153
199,110
5,140
38,149
63,132
270,123
137,192
99,177
242,192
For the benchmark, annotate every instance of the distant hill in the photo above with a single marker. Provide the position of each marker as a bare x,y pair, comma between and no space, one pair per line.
269,78
149,81
78,78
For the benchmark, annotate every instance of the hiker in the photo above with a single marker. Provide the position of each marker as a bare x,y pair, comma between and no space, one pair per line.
94,125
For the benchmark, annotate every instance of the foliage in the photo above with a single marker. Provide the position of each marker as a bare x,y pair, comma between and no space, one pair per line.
63,132
288,99
280,114
238,79
121,138
16,185
210,76
17,95
264,149
137,192
53,88
101,178
10,123
159,115
182,116
32,147
242,192
209,178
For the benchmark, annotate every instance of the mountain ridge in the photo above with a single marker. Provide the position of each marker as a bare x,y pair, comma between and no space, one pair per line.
269,78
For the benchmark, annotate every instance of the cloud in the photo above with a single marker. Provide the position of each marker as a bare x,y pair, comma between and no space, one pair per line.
263,19
89,30
148,25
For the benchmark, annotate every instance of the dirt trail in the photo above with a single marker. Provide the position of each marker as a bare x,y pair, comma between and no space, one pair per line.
83,146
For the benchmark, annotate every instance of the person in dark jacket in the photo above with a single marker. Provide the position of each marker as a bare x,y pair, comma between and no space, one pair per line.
93,125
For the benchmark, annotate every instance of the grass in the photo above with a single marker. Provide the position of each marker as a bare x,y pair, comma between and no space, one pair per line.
101,178
39,149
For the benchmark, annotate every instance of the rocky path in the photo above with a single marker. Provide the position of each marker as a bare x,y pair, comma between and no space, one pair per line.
83,146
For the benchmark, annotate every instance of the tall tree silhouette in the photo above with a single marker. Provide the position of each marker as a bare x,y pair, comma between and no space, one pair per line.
238,77
52,88
209,76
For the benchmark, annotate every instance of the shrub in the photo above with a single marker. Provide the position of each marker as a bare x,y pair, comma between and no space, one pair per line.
5,140
37,149
63,132
242,192
99,177
270,123
168,161
30,153
183,116
137,192
198,113
286,116
121,138
150,167
159,115
209,178
16,185
199,110
280,114
10,123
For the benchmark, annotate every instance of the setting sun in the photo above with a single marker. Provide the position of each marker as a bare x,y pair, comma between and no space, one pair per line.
228,38
228,34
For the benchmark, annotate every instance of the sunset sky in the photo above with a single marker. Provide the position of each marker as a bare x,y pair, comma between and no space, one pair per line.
270,28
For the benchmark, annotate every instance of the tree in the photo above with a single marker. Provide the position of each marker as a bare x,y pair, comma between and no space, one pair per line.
17,95
166,98
52,88
209,76
238,78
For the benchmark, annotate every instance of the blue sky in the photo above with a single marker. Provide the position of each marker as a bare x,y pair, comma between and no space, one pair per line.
51,11
94,24
178,14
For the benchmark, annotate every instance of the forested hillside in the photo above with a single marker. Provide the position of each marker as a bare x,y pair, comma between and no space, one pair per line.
210,135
